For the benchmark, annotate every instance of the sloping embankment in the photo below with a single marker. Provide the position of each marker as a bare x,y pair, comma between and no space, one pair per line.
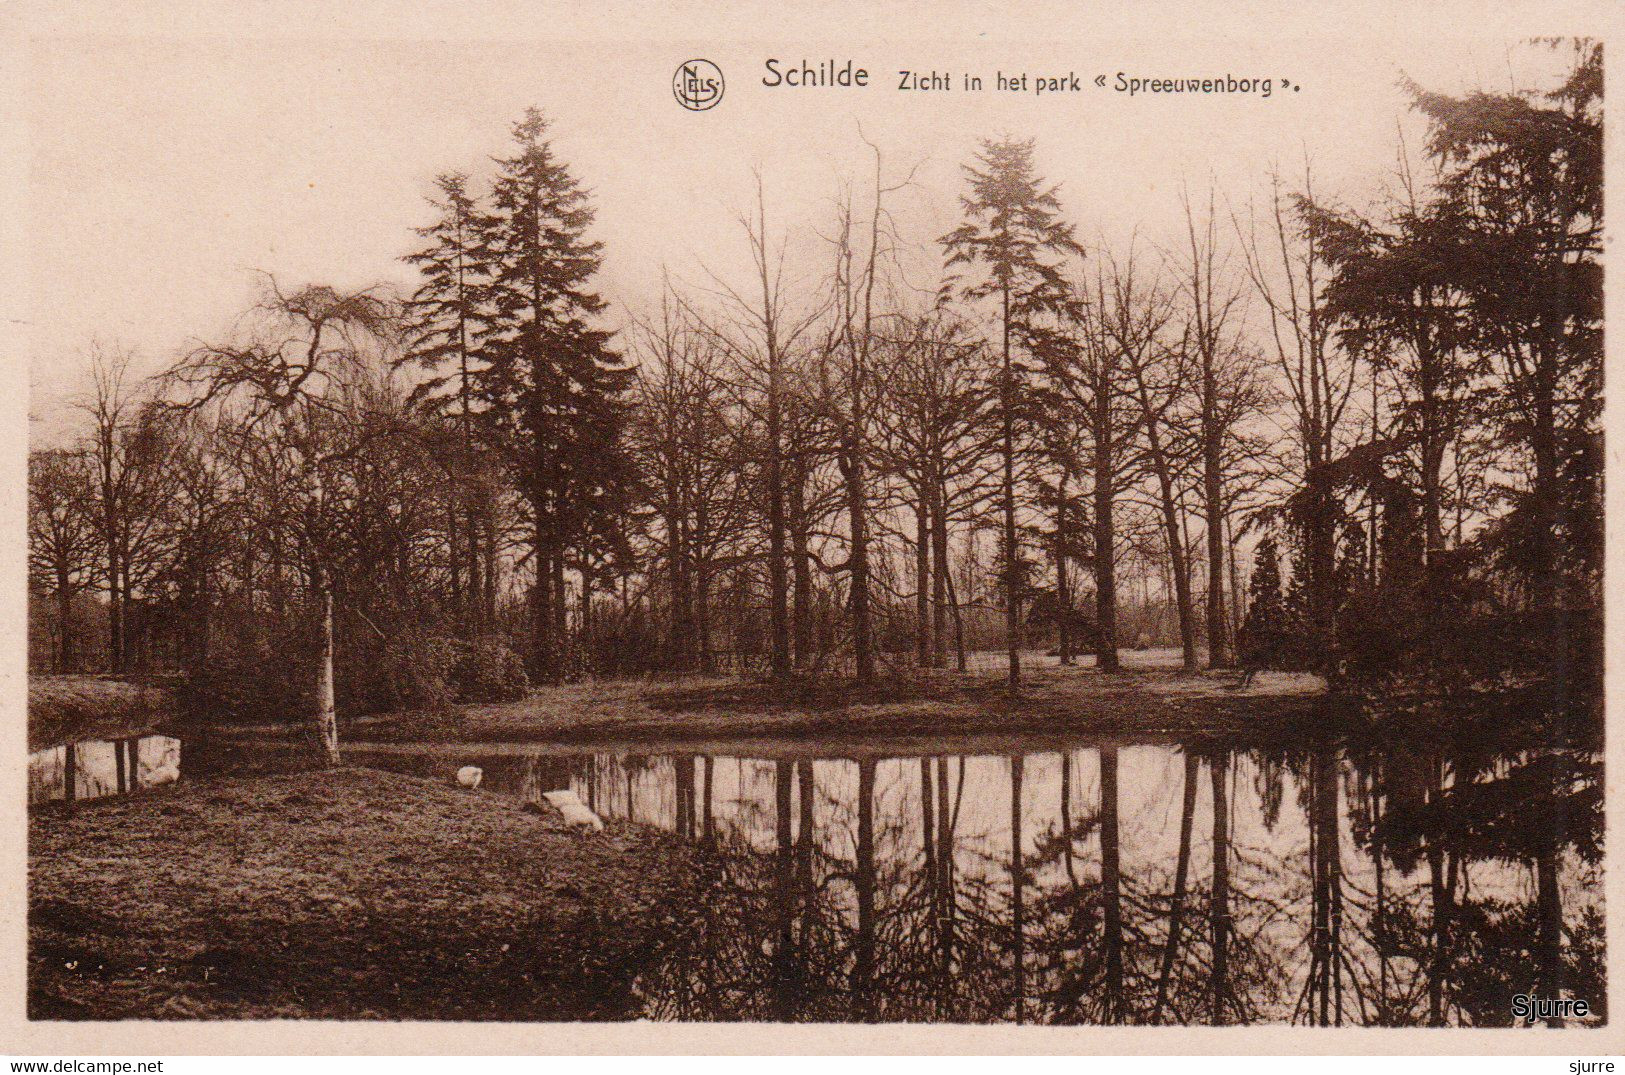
65,709
343,894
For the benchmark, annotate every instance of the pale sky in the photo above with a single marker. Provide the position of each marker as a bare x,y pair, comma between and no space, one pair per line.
164,173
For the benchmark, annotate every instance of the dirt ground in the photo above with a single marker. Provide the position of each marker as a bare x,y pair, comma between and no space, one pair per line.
342,894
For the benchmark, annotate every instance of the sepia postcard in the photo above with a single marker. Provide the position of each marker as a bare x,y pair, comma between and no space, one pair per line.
553,529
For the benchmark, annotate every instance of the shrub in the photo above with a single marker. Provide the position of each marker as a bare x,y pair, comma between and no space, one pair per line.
251,687
421,670
406,669
623,646
487,670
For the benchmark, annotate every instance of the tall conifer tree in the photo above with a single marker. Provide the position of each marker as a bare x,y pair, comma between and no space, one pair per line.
447,318
1010,248
553,383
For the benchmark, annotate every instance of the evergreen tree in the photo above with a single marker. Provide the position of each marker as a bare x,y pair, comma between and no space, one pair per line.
1396,297
1011,247
554,385
1524,172
448,314
1265,634
446,319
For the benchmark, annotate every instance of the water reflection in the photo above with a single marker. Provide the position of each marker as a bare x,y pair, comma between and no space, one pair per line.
1127,883
96,768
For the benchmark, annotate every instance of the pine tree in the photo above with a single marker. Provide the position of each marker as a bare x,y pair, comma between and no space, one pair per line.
554,385
446,320
1011,247
1524,173
448,314
1264,635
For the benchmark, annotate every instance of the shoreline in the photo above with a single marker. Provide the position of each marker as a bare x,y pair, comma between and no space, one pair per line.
352,894
1062,702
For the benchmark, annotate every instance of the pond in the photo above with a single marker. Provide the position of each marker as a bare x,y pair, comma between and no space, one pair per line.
1055,881
95,768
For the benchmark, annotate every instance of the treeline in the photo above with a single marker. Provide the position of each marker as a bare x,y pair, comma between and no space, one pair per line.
819,468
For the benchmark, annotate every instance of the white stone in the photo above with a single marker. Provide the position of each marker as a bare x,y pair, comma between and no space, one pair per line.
575,812
469,776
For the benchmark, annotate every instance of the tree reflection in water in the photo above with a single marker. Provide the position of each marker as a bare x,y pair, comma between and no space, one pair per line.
1124,883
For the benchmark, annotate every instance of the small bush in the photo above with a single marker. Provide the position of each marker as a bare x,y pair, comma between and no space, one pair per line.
409,670
620,647
250,688
487,670
418,670
405,669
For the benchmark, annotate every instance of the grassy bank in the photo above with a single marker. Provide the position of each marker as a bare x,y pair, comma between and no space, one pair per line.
1150,699
65,709
342,894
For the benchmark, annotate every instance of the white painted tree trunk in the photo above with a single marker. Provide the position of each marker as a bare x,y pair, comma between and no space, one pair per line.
327,721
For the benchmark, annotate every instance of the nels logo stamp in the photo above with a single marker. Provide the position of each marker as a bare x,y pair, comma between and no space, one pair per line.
697,85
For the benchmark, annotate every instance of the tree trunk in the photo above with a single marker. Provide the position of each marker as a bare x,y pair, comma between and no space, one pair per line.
1219,653
327,721
702,610
454,562
1322,550
1550,899
681,613
584,620
778,583
64,626
939,574
1172,526
922,584
858,513
1547,505
1063,592
1237,612
959,626
1105,561
490,524
557,594
1012,576
115,615
542,642
1433,442
801,563
1179,567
